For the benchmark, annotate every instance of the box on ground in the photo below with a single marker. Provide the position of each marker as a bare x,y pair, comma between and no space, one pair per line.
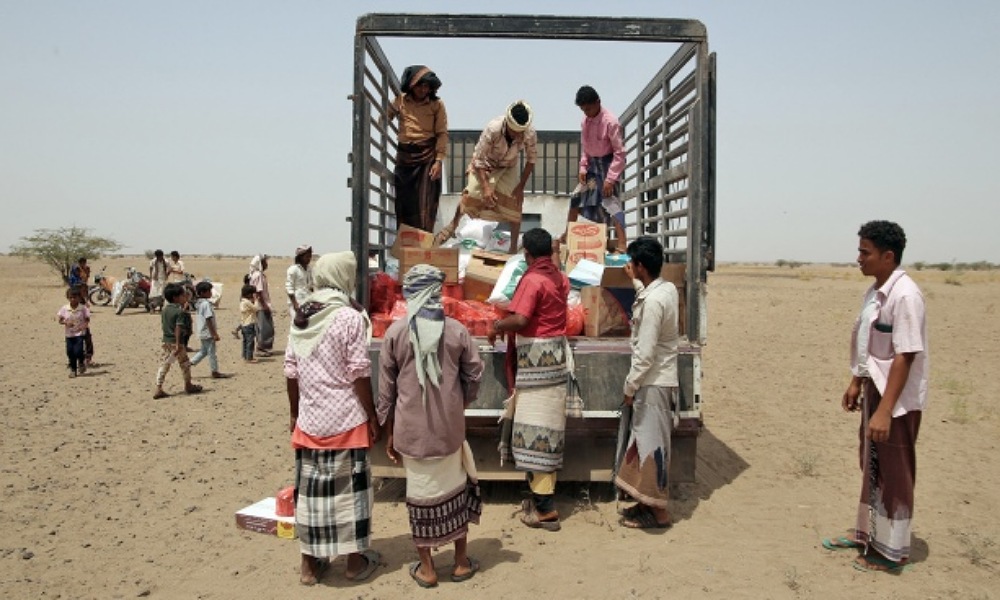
585,240
410,237
260,517
481,274
445,259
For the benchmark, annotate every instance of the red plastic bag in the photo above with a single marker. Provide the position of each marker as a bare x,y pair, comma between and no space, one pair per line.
284,505
382,293
380,322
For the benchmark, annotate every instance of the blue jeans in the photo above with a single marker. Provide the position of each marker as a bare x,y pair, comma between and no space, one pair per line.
74,352
249,338
207,349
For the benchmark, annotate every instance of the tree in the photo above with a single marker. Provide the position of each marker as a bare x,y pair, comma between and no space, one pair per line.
61,248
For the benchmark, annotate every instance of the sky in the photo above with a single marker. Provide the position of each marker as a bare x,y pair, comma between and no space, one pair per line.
224,127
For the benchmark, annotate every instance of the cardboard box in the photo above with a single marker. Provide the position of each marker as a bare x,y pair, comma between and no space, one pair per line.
606,311
481,274
445,259
585,240
261,518
410,237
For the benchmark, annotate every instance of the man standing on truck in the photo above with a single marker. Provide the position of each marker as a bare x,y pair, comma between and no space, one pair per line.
539,355
889,369
423,144
602,161
650,389
495,189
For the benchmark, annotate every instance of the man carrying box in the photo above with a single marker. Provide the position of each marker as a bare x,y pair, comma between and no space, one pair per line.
495,189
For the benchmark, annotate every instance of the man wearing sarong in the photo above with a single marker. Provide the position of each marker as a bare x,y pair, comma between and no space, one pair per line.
333,423
538,357
265,318
889,368
650,388
429,372
495,189
602,161
422,146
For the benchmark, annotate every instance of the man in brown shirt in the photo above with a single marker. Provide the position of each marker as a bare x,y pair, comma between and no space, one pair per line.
423,144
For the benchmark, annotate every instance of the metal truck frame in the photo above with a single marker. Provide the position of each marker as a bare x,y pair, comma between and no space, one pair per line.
669,193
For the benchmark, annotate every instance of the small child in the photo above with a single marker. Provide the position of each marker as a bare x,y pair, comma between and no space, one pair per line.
75,318
207,331
176,323
248,320
88,339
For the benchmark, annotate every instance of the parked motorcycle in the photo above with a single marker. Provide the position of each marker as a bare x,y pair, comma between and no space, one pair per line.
134,292
103,288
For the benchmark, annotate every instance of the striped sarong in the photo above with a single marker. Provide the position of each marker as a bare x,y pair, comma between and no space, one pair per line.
442,497
334,498
644,472
885,509
589,198
539,425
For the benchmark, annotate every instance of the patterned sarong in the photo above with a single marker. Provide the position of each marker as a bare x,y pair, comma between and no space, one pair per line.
539,426
589,198
417,195
507,209
333,505
890,472
644,472
442,497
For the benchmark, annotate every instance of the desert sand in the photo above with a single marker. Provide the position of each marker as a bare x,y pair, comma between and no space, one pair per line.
107,493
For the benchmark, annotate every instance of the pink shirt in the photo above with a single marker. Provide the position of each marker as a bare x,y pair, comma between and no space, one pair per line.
898,325
74,320
327,402
602,136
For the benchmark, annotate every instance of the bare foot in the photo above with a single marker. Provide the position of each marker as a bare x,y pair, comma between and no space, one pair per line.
312,569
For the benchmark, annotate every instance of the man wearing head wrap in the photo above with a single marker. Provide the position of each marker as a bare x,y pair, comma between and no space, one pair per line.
423,144
429,372
495,189
333,423
265,320
298,279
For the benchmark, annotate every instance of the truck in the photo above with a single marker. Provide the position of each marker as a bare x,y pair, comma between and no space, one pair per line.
668,193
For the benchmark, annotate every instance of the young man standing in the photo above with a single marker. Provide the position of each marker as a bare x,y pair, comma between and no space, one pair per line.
298,279
889,369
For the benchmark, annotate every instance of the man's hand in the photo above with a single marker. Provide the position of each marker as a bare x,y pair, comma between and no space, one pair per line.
627,401
390,451
435,172
608,189
291,424
374,431
583,178
878,426
850,400
518,194
629,270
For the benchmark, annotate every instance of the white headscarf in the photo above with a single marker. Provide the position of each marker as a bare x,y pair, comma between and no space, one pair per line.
335,277
425,315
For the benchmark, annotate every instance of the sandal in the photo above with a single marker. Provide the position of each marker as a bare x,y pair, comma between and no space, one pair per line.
194,388
371,563
473,568
421,582
531,520
160,394
644,520
878,564
633,511
841,543
322,564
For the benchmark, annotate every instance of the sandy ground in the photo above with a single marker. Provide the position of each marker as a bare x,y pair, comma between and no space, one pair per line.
107,493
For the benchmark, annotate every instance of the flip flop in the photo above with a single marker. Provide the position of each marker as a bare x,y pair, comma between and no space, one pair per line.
633,511
841,543
159,395
878,564
413,573
371,563
322,564
473,567
194,388
644,520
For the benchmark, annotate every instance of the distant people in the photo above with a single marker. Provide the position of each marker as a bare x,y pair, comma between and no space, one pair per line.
79,274
175,268
75,319
333,423
248,321
265,319
176,325
422,146
889,378
495,188
429,372
158,278
537,436
298,279
602,161
208,332
650,389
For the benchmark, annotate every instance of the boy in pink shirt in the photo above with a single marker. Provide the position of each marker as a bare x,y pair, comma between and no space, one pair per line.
75,318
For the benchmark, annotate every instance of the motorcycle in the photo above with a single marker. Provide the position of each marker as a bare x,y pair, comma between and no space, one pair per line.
103,288
134,292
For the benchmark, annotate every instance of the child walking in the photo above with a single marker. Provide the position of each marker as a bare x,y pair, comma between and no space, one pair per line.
207,331
248,320
75,318
176,324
